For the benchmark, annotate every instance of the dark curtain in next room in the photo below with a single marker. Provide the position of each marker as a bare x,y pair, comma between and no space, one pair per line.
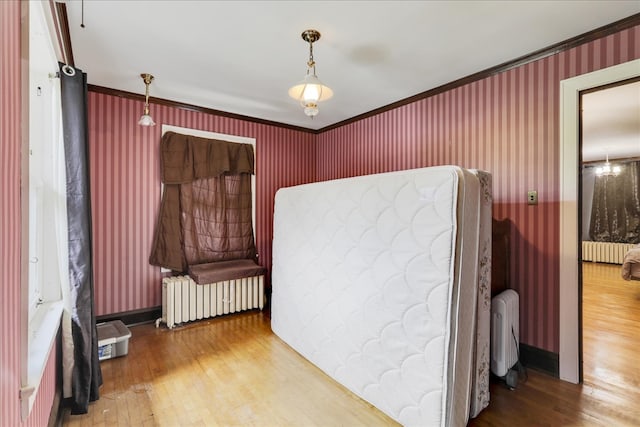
615,214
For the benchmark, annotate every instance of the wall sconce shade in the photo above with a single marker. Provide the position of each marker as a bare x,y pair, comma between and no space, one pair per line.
146,119
310,90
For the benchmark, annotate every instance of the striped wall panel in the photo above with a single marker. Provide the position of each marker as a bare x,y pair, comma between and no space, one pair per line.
507,124
46,393
10,81
10,144
125,187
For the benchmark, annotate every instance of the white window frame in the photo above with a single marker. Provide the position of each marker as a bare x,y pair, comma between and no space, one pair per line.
40,284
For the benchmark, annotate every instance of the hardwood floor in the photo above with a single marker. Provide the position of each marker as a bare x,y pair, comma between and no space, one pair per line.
233,371
610,392
230,370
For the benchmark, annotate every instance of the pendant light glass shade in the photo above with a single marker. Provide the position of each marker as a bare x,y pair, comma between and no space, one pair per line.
309,92
146,120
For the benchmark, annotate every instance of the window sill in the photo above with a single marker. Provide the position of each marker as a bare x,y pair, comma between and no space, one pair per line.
43,329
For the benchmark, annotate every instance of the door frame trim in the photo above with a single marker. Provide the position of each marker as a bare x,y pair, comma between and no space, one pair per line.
570,298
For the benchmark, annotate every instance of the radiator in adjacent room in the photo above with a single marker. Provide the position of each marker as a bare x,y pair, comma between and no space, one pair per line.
612,253
505,332
184,301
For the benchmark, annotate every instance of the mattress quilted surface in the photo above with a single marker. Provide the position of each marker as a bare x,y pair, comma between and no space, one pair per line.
363,272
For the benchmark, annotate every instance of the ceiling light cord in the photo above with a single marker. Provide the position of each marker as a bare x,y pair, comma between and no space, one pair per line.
146,119
82,15
311,63
146,96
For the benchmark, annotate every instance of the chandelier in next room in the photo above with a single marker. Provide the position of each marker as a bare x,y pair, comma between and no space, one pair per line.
607,169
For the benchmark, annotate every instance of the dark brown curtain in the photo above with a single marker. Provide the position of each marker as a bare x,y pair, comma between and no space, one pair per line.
216,219
205,214
615,214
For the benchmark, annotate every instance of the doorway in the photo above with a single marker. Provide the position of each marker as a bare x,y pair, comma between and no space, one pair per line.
610,150
570,344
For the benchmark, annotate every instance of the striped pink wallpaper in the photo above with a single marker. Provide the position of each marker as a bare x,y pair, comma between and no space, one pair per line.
125,186
10,219
10,144
507,124
44,400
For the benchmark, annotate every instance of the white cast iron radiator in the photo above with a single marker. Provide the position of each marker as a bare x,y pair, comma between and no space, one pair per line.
505,332
184,301
612,253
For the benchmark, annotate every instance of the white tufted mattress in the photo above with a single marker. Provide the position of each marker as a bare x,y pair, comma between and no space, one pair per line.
375,281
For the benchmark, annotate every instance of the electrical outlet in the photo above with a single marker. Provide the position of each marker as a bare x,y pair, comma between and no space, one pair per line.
532,197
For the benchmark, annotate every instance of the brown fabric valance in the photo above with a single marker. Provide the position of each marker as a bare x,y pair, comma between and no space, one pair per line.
205,213
185,158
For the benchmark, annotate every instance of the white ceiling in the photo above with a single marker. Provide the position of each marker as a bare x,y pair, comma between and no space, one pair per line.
611,123
242,56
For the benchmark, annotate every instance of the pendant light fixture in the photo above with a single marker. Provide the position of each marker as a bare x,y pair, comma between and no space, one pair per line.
146,119
310,90
607,169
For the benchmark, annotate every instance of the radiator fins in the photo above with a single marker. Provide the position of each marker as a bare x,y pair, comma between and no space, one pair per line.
505,332
612,253
185,301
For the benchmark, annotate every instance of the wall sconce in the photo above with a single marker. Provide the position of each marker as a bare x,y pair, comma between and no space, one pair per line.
310,90
146,119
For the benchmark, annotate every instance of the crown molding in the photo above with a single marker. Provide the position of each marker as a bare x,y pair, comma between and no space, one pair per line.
606,30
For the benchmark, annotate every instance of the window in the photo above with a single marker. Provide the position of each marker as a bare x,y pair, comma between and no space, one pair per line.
223,137
45,149
44,206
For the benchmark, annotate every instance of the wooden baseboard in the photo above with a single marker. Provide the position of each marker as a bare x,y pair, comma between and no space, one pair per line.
539,359
133,317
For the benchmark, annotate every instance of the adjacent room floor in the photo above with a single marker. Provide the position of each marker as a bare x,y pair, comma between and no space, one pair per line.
233,371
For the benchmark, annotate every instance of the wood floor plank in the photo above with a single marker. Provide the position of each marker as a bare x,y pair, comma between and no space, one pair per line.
233,370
